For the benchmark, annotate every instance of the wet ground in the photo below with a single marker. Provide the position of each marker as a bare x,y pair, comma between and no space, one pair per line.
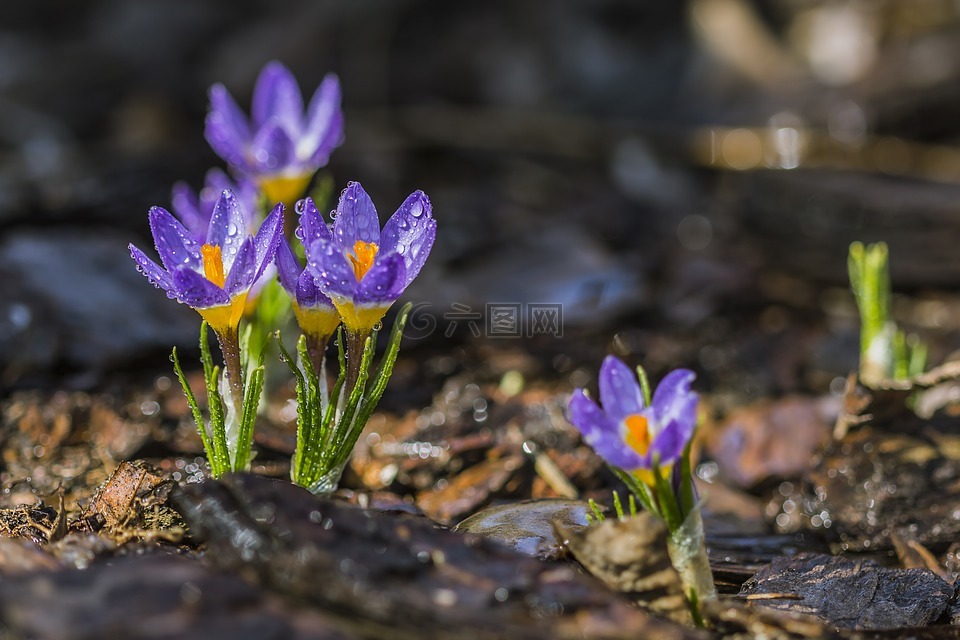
622,176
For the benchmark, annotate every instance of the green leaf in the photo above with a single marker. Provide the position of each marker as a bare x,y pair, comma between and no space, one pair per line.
666,499
644,385
638,489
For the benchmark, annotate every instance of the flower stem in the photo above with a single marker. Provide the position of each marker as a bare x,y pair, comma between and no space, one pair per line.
355,347
316,349
230,348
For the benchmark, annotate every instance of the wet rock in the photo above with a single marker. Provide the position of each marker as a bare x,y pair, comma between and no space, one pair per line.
875,484
528,526
24,557
102,310
149,597
770,439
852,593
391,573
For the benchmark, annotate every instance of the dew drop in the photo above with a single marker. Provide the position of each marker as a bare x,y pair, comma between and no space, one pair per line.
416,210
232,230
401,248
300,206
299,233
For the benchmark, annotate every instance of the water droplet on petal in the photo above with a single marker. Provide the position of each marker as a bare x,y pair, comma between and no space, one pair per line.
299,233
416,210
401,248
300,206
232,230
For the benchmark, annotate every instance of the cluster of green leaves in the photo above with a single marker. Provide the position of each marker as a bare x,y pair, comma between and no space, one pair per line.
885,351
223,455
328,424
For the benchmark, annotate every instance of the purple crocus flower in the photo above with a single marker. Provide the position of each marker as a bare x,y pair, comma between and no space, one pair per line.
363,269
624,432
316,315
194,208
214,277
280,146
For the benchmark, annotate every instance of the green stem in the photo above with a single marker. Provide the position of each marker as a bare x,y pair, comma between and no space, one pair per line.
355,348
230,348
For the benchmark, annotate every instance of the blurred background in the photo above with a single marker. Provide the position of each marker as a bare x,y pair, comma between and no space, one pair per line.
682,177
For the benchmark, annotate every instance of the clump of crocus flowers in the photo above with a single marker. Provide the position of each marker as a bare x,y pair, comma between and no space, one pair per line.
217,252
645,438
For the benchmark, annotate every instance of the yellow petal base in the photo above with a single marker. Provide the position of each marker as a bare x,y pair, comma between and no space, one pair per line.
358,319
225,316
285,189
317,322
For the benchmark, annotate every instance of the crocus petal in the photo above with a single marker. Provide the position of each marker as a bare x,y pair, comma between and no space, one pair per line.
177,246
196,291
601,433
619,389
228,227
356,218
226,128
312,225
673,401
188,209
330,267
276,95
669,443
268,239
154,272
323,128
308,293
272,149
244,269
288,268
411,232
383,283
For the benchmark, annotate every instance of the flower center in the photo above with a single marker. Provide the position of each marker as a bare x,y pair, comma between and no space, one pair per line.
638,433
213,264
362,257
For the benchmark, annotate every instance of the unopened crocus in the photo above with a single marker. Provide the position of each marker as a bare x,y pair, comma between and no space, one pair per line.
280,146
629,435
215,276
365,270
315,312
195,208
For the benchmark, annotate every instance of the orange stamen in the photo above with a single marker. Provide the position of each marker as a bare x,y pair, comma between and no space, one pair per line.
638,435
362,257
213,264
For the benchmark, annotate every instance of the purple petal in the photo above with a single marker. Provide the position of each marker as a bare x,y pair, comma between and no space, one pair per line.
669,443
323,129
330,267
228,227
272,149
312,225
674,402
268,239
619,389
243,271
196,291
177,246
356,218
384,282
601,433
226,128
187,208
154,272
288,269
276,95
309,294
411,232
